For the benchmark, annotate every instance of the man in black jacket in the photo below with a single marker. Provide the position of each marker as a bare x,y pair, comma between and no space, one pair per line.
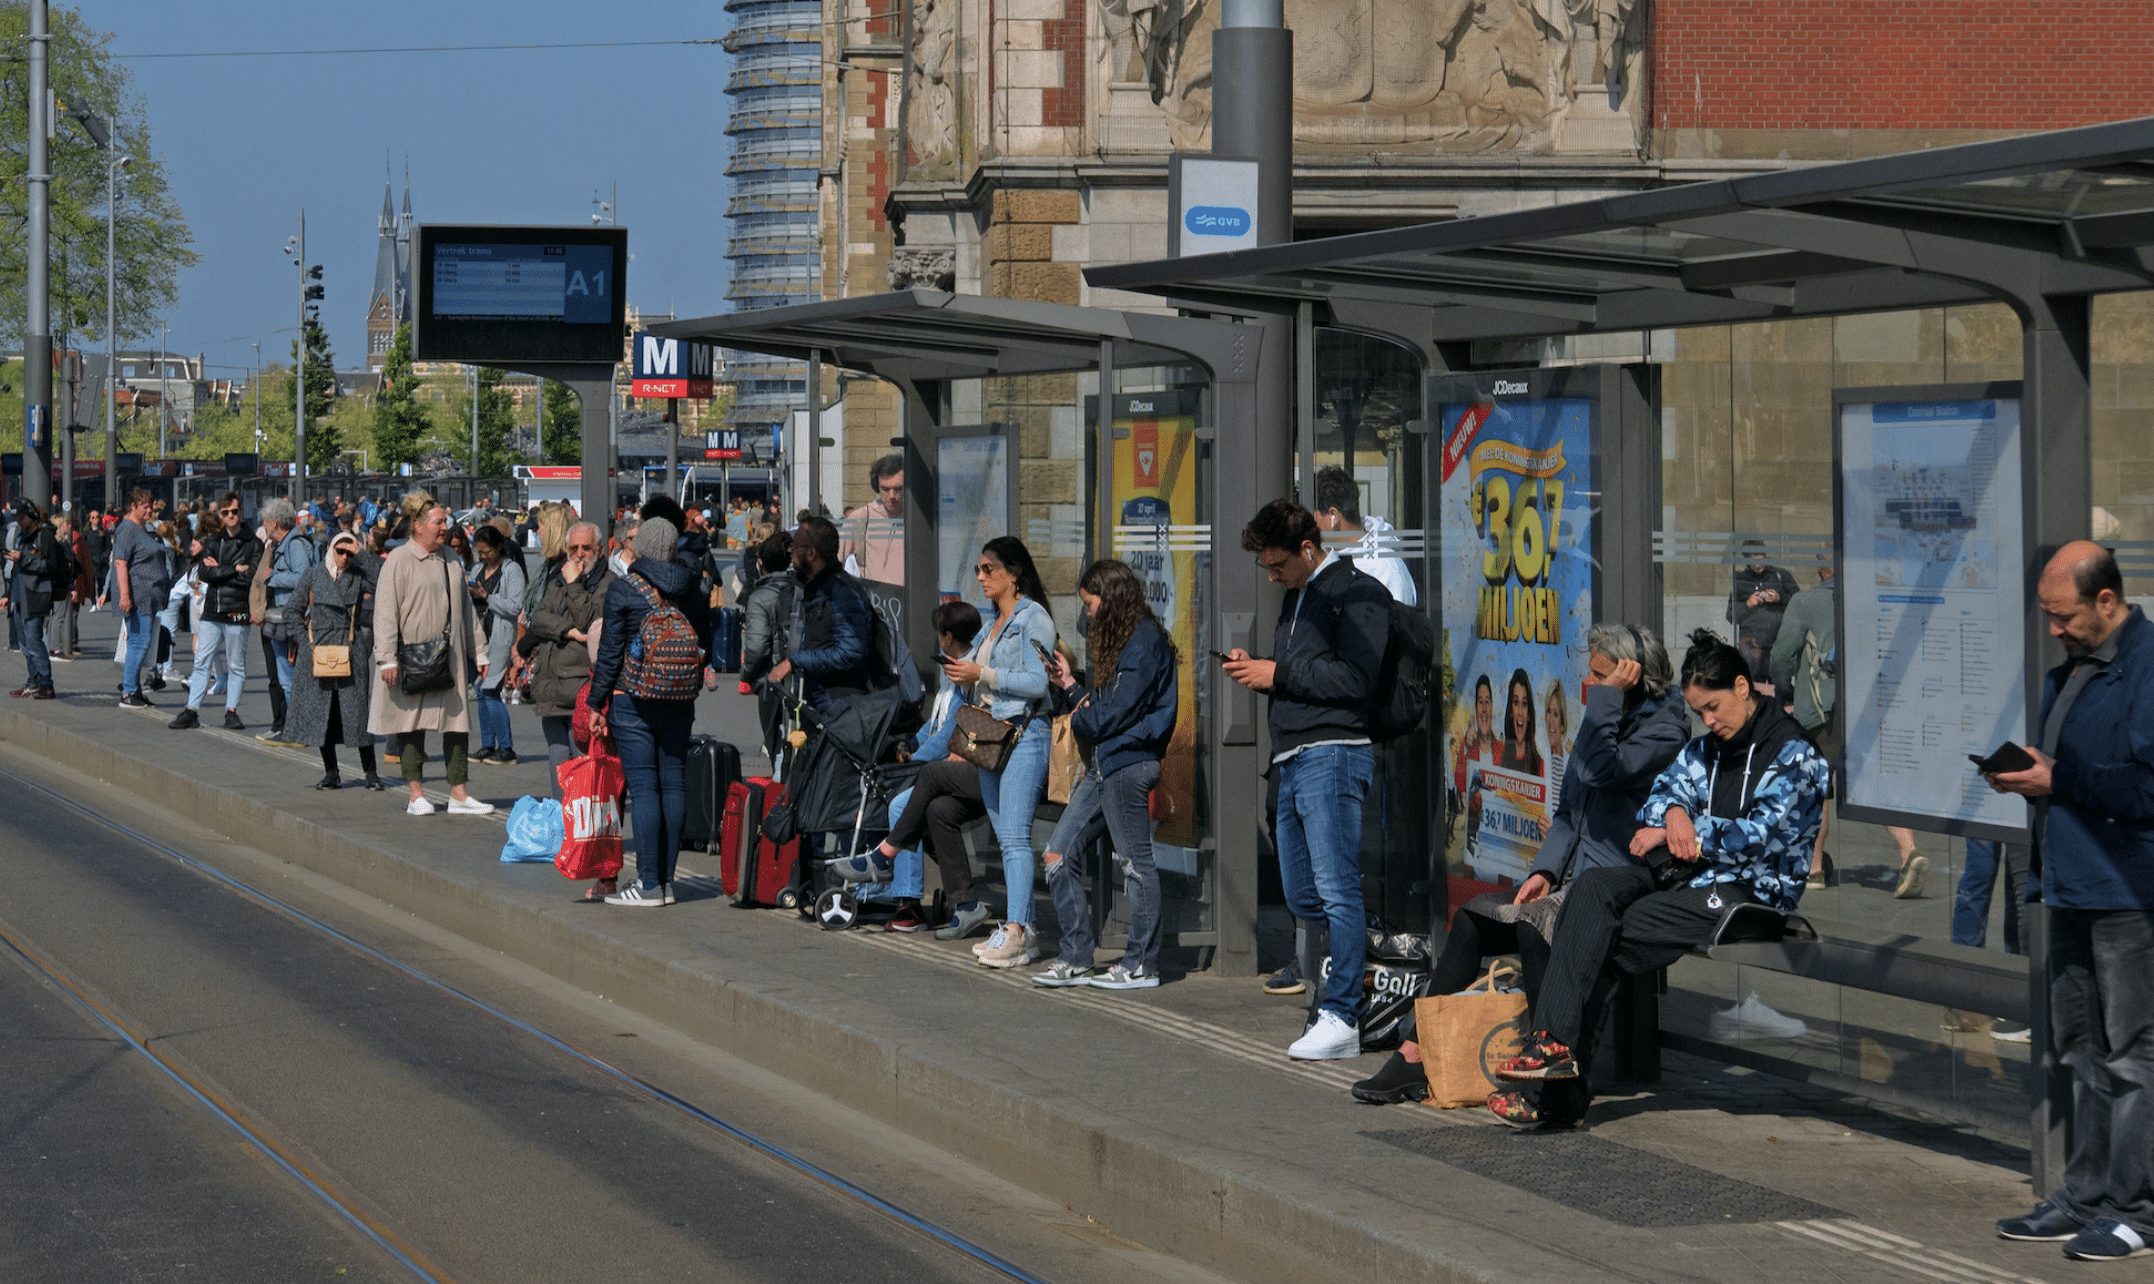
225,566
43,575
833,630
1330,644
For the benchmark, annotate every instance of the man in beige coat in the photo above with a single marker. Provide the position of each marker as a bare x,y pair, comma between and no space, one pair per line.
420,595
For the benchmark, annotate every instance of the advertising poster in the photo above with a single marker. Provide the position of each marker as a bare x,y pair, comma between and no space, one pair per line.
1932,655
1517,575
1157,532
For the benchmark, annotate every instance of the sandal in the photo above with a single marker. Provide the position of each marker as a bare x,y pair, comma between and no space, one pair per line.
597,892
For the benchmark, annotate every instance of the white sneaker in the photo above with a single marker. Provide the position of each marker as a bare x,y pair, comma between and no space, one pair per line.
1751,1019
994,941
1020,945
1329,1039
469,806
419,807
634,897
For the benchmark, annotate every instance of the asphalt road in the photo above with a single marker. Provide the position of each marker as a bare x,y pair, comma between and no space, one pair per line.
476,1149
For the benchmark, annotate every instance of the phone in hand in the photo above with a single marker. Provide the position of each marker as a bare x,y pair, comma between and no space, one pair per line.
2006,757
1047,657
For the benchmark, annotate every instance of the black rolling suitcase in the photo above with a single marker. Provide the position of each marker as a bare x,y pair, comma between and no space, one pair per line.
725,639
713,766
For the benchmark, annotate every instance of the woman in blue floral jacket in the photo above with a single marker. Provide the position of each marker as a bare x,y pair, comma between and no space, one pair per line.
1730,822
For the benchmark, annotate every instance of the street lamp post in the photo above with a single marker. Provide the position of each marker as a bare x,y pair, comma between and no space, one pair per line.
114,163
258,402
164,388
37,338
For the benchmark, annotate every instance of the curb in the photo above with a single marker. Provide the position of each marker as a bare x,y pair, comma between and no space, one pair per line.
1192,1203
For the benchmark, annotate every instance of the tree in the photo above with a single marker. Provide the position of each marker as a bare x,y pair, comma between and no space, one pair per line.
153,244
496,427
401,424
564,424
323,445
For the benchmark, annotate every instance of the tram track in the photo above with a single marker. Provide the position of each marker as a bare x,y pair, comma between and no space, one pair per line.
102,1013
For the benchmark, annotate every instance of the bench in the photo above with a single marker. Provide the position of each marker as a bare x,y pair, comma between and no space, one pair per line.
1898,964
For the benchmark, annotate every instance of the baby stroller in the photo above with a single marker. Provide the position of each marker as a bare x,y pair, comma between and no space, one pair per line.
843,779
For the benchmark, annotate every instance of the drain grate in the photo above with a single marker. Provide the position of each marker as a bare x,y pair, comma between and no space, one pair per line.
1603,1179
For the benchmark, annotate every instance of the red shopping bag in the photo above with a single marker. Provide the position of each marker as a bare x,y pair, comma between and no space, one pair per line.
591,790
579,719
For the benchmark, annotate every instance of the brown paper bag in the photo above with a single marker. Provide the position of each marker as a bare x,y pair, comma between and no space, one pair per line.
1463,1036
1065,762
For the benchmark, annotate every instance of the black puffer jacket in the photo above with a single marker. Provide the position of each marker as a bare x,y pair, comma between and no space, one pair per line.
230,580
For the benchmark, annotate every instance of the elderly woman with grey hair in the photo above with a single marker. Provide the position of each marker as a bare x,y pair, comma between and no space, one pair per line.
649,731
1632,728
555,644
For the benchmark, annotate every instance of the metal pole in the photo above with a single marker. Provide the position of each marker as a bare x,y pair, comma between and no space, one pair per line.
112,351
257,401
474,425
673,446
164,389
37,347
814,452
299,384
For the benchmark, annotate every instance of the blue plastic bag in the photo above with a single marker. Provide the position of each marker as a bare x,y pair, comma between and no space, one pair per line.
535,831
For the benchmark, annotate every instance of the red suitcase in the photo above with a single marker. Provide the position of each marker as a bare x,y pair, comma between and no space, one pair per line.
739,829
753,870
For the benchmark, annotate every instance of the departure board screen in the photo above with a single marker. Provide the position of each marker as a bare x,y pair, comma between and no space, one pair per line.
507,294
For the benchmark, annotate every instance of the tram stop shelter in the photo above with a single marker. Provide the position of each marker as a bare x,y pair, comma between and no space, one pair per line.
1002,397
2046,225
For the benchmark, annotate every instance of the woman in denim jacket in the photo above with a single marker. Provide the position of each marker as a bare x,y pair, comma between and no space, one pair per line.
1008,676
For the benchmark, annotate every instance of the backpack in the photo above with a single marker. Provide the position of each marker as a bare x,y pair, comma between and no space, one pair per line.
665,662
1404,679
893,655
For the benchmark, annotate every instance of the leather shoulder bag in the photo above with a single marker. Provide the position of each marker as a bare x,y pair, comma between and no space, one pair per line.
331,659
426,666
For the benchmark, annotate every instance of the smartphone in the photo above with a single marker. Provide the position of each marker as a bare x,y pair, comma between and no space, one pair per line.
2005,757
1047,657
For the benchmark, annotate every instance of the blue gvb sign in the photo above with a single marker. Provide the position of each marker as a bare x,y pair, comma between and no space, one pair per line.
1218,220
1214,204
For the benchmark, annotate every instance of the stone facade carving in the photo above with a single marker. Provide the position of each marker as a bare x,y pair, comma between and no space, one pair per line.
1446,75
922,269
931,69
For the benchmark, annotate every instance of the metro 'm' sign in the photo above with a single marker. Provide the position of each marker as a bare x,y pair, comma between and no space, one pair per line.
670,368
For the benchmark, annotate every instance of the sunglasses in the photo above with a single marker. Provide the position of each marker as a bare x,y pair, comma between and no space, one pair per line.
988,568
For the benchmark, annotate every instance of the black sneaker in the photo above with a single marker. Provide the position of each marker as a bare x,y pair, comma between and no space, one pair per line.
187,720
156,682
1286,980
504,758
136,700
232,722
483,755
1399,1080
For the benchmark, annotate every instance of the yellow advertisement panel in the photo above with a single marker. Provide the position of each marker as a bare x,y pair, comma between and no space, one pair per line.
1158,532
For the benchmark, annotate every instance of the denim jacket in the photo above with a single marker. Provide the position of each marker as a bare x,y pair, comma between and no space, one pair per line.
1014,682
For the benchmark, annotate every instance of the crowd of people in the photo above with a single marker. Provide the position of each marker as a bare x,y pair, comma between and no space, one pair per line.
1657,835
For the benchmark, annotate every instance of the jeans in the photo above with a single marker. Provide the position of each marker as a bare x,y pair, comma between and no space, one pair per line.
279,670
1978,880
2101,1025
1012,796
1122,802
652,739
908,879
494,721
209,638
35,657
14,616
560,747
1321,791
141,629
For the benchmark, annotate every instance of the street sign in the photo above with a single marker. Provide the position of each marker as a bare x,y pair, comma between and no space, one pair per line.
722,444
1213,204
671,368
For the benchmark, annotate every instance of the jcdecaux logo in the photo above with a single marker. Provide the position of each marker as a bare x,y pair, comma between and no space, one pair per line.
1216,220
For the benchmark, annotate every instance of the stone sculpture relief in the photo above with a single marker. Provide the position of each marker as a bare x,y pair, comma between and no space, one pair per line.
922,269
931,89
1455,75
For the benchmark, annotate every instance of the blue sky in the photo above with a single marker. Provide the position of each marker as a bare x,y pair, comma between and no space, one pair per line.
498,137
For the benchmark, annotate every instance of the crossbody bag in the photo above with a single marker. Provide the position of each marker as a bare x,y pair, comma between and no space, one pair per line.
428,666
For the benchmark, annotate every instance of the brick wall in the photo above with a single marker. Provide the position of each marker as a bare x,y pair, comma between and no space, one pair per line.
1899,65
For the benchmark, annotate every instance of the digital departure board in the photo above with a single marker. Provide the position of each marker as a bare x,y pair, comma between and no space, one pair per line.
520,294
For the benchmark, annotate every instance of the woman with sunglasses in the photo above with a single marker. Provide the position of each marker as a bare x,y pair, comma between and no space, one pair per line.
1008,678
224,565
556,646
335,603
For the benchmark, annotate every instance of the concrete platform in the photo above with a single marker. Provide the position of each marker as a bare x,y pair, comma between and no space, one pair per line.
1171,1116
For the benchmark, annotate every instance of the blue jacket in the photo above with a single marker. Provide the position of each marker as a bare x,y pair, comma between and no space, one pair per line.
624,613
1755,802
295,557
1620,750
2097,842
1131,718
1015,679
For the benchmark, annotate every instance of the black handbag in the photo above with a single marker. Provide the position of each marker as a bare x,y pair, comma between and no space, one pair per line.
428,666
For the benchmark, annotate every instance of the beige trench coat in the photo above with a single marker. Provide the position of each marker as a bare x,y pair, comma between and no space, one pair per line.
410,604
